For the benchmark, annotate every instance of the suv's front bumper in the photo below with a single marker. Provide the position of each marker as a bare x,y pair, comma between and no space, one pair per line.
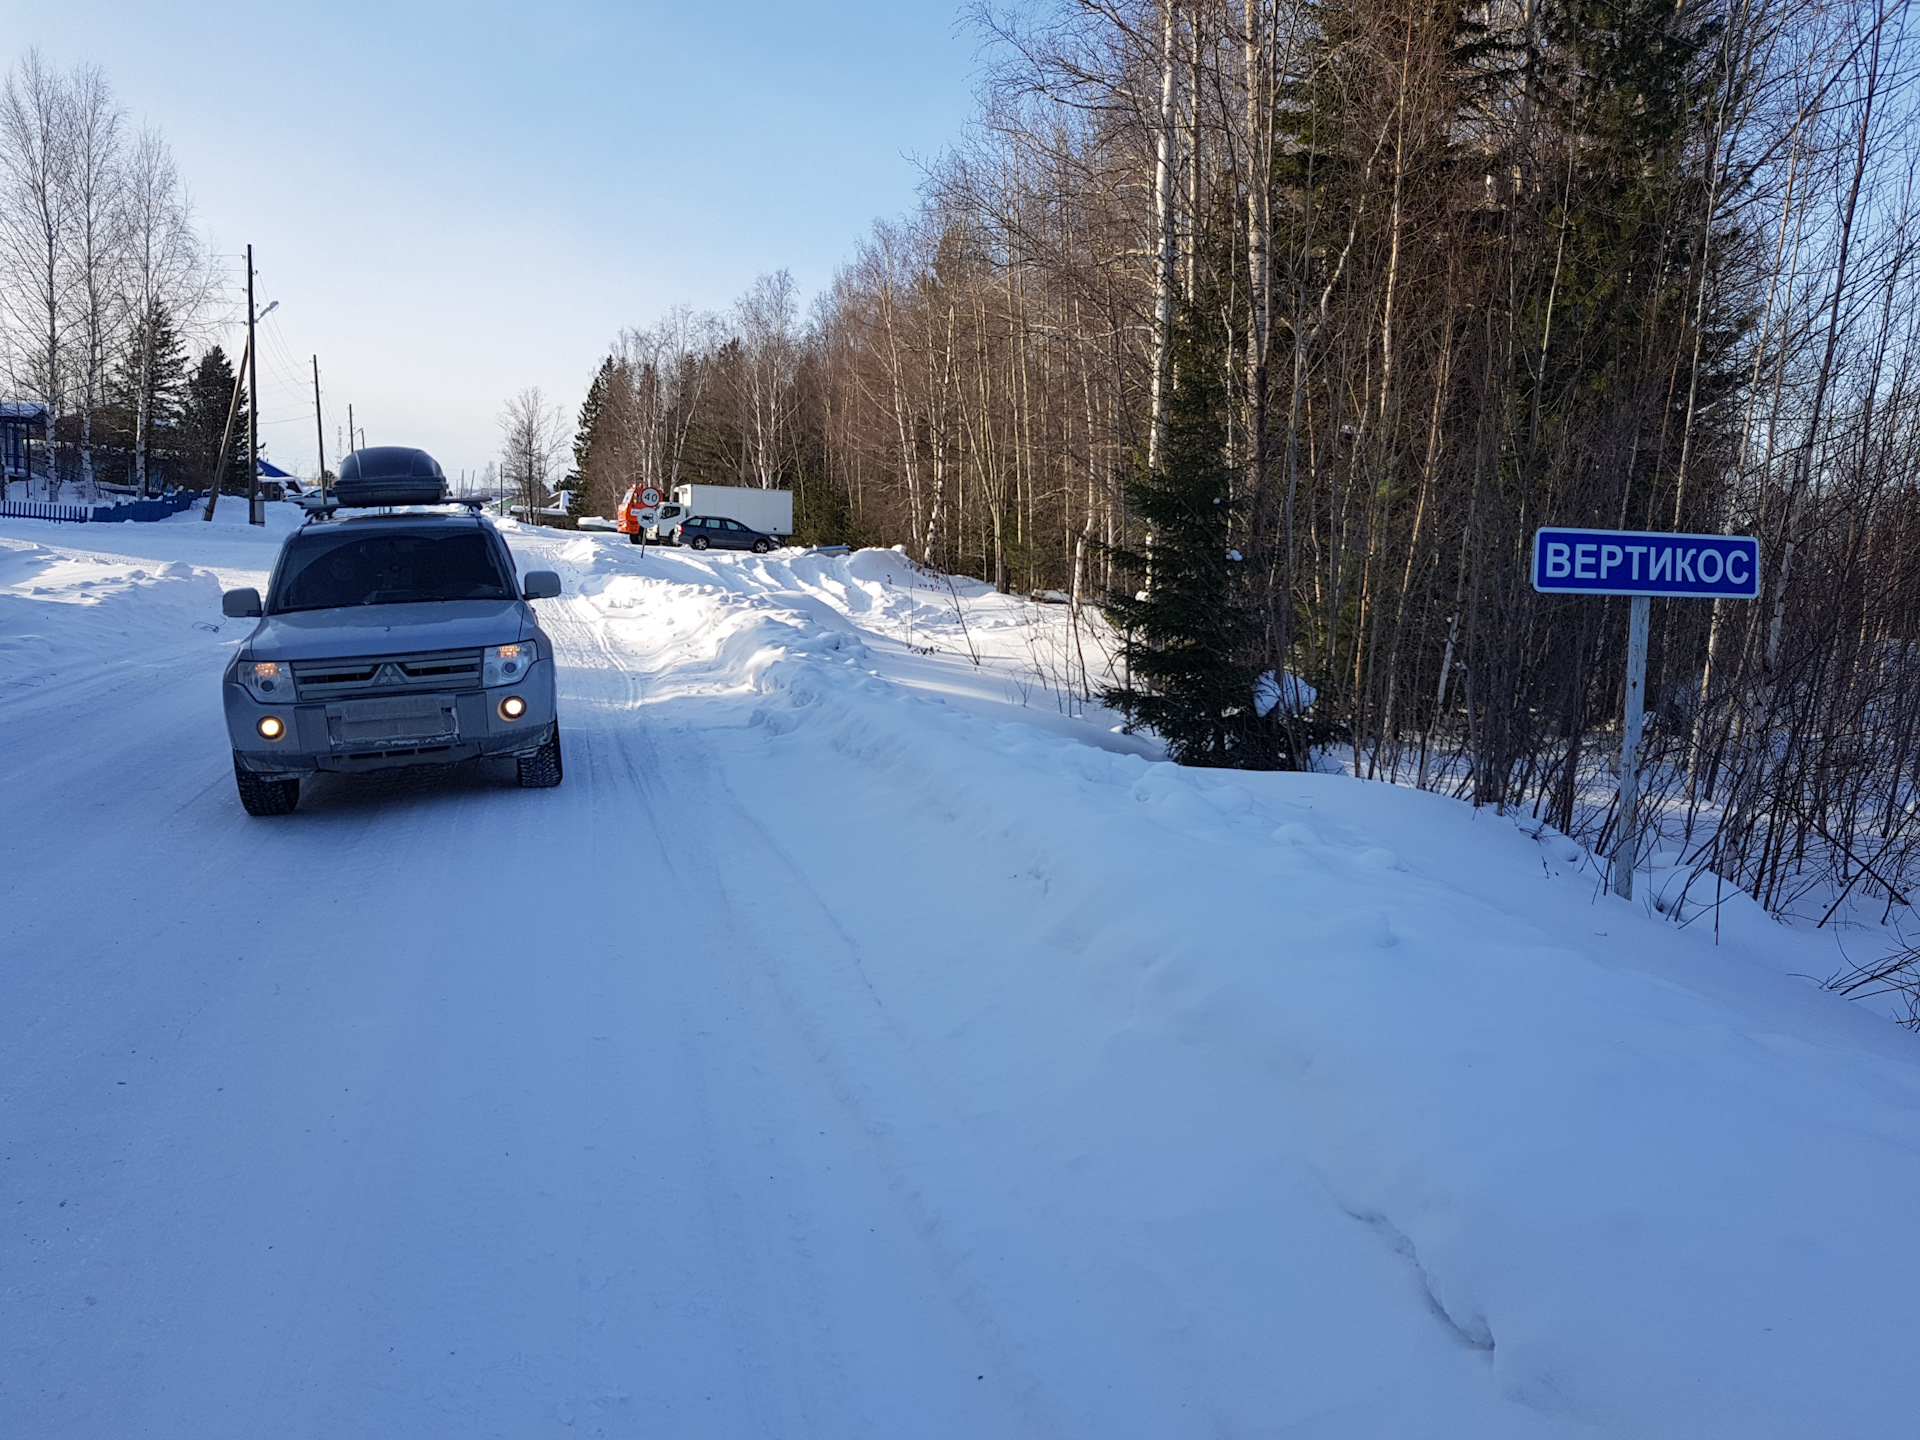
337,735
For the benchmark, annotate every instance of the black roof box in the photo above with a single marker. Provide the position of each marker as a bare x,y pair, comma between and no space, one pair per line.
390,475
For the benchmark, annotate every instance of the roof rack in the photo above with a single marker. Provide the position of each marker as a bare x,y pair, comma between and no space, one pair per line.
318,509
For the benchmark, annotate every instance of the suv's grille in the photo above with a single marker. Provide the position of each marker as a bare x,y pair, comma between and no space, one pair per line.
387,674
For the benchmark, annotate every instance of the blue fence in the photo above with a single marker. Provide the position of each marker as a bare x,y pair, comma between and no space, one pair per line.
133,510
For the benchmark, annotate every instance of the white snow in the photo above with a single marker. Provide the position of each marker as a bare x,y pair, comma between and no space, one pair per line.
902,1053
1271,691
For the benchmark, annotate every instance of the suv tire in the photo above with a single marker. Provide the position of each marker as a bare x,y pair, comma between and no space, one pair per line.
542,769
699,542
261,796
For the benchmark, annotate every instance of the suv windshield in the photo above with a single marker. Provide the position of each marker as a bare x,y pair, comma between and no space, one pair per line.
324,568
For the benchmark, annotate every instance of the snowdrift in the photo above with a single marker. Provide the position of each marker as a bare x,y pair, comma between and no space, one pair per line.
1609,1157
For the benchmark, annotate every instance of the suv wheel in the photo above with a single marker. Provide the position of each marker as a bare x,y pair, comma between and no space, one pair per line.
760,547
261,796
542,770
699,542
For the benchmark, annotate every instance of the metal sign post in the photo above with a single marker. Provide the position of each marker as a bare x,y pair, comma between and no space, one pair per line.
1641,564
1627,843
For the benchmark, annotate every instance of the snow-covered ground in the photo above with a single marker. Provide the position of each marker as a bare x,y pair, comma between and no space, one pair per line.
866,1042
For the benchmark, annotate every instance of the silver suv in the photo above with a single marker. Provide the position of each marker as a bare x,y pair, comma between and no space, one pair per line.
396,637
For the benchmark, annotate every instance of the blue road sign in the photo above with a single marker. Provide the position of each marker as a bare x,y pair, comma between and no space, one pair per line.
1641,562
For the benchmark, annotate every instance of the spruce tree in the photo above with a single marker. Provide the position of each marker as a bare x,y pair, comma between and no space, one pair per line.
1191,640
203,420
149,385
1633,81
583,437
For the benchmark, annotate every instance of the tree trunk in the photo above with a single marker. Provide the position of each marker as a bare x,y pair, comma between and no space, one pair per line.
1165,260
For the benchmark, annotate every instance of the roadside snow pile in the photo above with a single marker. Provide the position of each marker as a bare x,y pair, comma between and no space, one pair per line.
1211,1009
32,576
879,591
57,604
714,622
86,606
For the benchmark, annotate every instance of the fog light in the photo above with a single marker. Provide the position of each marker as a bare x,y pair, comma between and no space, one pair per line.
512,708
271,728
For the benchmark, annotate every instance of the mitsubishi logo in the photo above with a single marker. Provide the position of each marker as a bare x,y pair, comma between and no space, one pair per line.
390,674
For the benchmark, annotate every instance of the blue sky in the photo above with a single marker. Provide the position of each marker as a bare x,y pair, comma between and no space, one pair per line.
452,202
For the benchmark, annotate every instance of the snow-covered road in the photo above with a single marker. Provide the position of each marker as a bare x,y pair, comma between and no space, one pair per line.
858,1045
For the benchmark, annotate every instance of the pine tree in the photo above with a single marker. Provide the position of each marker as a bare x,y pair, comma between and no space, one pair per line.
1191,640
203,420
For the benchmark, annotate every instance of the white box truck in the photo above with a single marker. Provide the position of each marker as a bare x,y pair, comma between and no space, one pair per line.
770,511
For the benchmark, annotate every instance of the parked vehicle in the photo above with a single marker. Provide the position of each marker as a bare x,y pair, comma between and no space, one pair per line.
704,531
387,639
667,518
768,511
645,513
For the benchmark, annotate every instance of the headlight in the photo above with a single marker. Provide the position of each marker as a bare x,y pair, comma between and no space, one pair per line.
504,664
268,680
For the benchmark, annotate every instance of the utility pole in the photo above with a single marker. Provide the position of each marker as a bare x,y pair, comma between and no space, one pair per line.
353,440
256,511
226,435
319,430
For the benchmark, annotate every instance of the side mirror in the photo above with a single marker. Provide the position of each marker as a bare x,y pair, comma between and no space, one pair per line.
540,585
240,603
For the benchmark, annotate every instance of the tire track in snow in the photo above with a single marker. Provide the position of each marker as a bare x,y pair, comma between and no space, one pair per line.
820,1311
772,920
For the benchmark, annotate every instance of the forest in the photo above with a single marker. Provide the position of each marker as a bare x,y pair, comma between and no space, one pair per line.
1275,330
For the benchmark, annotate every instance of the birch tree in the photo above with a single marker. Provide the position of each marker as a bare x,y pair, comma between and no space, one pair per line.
164,275
36,159
96,249
765,319
532,440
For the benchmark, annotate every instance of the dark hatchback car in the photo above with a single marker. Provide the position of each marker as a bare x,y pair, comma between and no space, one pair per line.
702,531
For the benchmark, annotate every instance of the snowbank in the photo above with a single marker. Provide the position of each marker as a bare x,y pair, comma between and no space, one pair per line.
1611,1158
